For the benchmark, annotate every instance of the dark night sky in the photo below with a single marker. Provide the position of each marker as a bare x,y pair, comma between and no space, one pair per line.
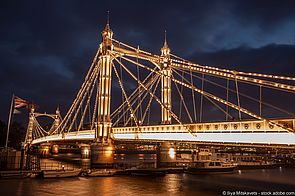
47,46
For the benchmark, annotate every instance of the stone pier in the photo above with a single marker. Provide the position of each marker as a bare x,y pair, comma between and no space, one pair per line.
166,155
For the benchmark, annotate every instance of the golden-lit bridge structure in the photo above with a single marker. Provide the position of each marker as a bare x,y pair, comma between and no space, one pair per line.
173,89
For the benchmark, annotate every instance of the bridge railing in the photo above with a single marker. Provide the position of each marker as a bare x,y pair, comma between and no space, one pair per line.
224,127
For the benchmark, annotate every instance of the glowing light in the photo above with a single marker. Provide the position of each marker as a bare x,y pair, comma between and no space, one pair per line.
109,151
171,153
86,152
55,149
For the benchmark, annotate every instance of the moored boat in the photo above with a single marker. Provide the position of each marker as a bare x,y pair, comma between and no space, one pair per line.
211,167
61,173
19,174
14,175
256,165
101,172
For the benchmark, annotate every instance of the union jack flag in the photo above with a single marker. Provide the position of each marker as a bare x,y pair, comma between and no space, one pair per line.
19,103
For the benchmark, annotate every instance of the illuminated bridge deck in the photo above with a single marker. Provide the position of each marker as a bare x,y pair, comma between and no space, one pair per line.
250,132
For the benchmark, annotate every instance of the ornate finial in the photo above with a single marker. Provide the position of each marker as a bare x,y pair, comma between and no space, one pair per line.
108,17
165,49
107,27
57,109
165,36
107,35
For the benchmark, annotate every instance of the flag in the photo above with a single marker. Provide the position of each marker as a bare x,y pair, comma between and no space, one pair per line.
15,111
19,103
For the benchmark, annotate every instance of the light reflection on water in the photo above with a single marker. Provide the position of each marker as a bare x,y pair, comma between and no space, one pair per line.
171,184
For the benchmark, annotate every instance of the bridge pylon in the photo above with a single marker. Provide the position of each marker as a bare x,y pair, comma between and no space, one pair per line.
102,150
29,133
165,83
104,125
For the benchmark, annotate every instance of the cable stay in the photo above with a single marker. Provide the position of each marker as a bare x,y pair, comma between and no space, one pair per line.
210,100
183,61
182,101
241,94
215,98
155,97
234,76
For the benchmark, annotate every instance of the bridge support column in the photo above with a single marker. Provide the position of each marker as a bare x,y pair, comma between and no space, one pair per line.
85,156
45,149
29,134
104,89
102,155
166,155
166,84
54,149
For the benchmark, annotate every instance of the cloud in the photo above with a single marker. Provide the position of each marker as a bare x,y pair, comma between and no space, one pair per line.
46,47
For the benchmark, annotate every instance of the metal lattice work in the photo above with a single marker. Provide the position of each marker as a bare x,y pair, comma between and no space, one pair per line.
35,130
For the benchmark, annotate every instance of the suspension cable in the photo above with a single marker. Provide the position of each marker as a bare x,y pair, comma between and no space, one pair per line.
216,105
87,103
238,98
155,97
139,96
125,95
183,61
233,76
156,80
134,93
95,110
122,96
193,96
260,100
219,100
235,106
201,99
182,99
242,94
227,97
148,108
63,124
81,99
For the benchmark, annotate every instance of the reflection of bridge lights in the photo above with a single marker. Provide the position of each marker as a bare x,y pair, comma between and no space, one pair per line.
171,153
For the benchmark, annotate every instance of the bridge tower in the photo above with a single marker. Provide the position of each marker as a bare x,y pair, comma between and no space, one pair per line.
56,122
29,133
105,81
102,150
165,83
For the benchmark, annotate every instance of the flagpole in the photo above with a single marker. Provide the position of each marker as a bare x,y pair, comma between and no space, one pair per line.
9,121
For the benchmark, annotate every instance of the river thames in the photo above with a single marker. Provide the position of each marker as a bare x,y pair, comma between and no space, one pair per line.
267,180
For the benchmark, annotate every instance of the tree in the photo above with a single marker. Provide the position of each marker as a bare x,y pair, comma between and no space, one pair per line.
16,135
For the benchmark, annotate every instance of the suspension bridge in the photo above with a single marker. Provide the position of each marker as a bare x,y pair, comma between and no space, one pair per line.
130,94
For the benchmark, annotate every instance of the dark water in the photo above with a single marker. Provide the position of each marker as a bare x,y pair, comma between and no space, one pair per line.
279,179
